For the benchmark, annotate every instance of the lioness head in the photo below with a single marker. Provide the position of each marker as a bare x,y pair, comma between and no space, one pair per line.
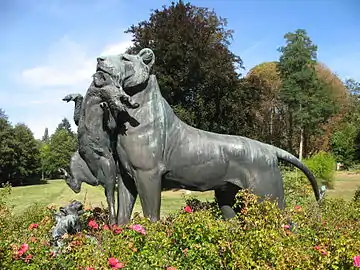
128,69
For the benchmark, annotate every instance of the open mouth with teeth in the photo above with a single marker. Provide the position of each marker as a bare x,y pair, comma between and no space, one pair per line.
102,69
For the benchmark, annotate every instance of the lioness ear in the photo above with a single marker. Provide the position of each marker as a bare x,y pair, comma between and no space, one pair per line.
147,56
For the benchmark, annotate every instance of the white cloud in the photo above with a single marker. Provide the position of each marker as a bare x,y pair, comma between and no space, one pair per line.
67,63
67,68
116,48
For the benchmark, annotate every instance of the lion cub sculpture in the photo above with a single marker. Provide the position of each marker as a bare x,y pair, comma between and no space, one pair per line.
94,162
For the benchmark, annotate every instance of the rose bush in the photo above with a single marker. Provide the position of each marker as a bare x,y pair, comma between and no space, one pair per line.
303,236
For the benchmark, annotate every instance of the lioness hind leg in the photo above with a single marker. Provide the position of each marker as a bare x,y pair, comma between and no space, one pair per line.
268,183
127,194
225,196
104,169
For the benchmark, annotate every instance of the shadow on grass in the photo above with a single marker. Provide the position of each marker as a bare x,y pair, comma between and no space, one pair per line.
24,182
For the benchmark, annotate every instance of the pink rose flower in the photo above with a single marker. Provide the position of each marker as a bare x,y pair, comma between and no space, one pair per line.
138,228
115,264
22,250
357,261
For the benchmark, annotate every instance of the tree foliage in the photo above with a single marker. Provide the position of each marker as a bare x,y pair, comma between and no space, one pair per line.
309,101
196,71
346,140
45,138
272,119
25,160
62,145
27,155
7,154
19,153
65,125
343,142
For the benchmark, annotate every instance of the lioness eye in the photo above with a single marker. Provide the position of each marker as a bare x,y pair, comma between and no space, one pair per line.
124,58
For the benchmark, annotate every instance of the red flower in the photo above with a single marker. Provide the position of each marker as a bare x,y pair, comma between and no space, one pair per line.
285,226
297,207
106,227
188,209
116,229
357,261
33,226
171,268
317,247
115,264
93,224
22,250
28,258
89,268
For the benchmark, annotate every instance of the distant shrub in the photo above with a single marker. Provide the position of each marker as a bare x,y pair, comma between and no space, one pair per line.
323,166
297,188
343,144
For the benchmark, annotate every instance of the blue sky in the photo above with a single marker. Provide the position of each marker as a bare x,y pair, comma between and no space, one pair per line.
49,47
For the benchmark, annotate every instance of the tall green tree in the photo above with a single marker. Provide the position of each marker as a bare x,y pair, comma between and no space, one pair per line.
309,102
45,158
196,71
45,137
27,155
62,145
65,124
6,148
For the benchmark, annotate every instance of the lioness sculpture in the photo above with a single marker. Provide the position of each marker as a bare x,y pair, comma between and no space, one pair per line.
161,152
164,152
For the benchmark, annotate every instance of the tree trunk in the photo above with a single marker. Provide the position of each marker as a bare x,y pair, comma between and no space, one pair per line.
291,130
271,124
301,146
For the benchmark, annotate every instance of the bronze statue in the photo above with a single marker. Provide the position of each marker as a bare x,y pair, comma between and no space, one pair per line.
155,150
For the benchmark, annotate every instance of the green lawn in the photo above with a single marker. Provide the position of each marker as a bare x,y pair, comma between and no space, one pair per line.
345,185
58,193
